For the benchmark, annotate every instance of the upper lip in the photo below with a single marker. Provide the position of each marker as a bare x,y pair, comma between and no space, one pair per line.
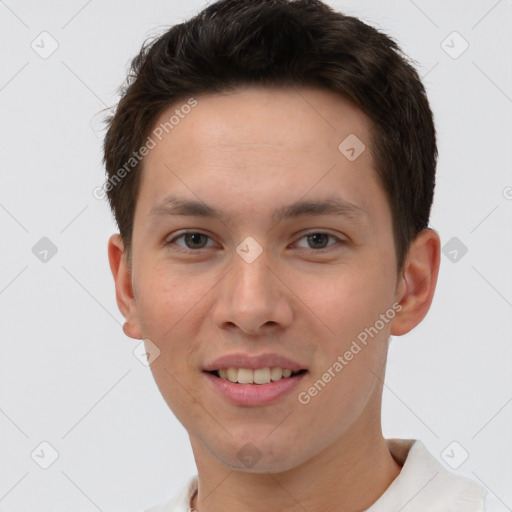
254,362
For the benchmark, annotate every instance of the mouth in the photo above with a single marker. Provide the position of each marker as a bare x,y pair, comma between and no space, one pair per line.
254,380
259,376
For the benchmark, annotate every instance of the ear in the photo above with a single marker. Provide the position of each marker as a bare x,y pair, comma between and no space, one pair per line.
124,287
417,282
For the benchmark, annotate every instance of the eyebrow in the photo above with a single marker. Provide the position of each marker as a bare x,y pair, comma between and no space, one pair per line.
181,206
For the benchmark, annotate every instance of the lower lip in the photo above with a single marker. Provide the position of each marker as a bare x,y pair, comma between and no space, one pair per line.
253,395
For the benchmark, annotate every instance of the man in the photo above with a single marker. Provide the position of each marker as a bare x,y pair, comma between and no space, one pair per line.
271,167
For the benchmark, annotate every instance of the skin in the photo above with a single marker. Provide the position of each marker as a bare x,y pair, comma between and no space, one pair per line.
246,153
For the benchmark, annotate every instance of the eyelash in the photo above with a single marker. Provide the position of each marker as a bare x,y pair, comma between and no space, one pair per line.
324,250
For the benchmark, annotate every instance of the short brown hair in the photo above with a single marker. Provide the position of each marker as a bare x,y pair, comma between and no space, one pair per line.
292,43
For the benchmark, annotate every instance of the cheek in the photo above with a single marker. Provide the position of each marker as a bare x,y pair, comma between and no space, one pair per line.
166,299
168,306
351,300
181,394
351,305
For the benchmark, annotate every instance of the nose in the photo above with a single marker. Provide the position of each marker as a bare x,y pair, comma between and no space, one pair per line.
253,298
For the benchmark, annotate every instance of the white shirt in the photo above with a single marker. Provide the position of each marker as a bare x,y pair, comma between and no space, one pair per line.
423,485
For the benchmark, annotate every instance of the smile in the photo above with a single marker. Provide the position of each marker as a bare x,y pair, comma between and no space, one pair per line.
257,376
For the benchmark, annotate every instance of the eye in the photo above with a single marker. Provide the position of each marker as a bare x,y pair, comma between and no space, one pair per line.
192,239
319,240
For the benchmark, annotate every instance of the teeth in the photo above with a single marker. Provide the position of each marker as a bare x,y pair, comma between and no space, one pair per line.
259,376
232,374
245,376
276,373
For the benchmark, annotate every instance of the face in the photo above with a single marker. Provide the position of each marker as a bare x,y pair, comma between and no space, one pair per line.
259,244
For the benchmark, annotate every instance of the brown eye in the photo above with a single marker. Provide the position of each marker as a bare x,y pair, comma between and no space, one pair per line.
319,240
192,240
195,240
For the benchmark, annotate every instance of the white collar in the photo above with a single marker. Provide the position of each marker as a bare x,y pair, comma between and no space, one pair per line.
424,485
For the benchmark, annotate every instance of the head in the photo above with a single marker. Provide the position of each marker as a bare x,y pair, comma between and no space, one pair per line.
271,169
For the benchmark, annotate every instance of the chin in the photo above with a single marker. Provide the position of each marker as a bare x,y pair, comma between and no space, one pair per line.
262,466
258,457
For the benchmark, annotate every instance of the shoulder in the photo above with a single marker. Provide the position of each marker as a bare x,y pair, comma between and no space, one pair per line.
425,485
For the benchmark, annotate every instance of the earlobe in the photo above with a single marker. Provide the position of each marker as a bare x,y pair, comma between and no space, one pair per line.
418,279
123,283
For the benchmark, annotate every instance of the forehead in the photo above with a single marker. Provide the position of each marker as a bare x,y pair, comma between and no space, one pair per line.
259,143
273,116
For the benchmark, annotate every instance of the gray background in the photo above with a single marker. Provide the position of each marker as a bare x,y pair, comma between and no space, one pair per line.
68,375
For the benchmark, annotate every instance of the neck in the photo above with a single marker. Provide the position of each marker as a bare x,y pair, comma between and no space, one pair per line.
350,475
